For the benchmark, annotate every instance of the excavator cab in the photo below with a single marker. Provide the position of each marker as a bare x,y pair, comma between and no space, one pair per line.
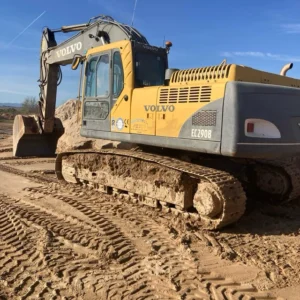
101,42
112,73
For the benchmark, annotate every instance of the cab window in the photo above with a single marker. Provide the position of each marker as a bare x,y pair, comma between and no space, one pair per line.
118,75
97,77
103,76
90,88
149,69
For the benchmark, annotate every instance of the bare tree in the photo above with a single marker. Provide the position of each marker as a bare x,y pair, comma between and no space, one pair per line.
30,105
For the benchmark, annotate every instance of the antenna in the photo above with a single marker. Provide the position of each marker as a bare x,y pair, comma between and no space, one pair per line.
135,3
224,62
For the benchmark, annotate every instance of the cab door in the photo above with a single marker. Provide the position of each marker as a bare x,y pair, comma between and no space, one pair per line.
97,100
121,92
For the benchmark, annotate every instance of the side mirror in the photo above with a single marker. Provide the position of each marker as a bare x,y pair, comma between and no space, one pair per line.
76,61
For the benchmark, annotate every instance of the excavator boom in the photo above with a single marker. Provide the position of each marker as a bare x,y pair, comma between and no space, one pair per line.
38,135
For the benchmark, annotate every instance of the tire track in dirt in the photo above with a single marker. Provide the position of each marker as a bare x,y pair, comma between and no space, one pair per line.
179,266
18,158
133,286
30,162
21,261
139,283
267,238
132,270
63,264
233,288
35,178
191,276
278,258
121,249
51,263
87,276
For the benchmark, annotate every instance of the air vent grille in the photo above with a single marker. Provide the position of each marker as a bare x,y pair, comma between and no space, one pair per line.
206,73
185,95
205,118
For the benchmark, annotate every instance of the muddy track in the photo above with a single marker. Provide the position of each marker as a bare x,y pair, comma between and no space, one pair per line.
169,258
227,187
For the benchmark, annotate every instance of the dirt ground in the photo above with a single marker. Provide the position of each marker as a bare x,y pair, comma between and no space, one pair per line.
63,241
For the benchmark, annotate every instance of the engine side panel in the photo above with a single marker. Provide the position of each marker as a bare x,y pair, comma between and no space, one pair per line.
204,123
274,110
178,111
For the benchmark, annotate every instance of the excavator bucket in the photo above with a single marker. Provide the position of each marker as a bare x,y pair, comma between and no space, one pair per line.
28,141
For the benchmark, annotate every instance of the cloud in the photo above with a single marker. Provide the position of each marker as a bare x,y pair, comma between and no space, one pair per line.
237,53
291,28
264,55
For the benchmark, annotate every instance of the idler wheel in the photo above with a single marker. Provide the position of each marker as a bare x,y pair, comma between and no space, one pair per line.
207,200
271,181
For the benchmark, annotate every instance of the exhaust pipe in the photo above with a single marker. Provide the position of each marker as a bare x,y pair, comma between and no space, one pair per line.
285,68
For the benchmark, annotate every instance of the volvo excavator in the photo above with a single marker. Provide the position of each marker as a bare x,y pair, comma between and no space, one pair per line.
206,137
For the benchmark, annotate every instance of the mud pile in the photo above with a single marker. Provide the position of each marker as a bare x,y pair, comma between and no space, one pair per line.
70,115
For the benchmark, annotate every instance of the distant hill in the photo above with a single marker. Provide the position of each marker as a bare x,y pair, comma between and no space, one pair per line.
10,104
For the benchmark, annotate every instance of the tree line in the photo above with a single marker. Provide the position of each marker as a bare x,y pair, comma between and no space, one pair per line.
29,106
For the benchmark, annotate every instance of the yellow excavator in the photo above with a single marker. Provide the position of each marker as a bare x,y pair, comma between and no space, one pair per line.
207,137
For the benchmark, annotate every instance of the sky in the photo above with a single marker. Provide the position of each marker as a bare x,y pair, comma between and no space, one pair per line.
252,33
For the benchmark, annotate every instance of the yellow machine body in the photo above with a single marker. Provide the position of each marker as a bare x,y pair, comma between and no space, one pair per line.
188,97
